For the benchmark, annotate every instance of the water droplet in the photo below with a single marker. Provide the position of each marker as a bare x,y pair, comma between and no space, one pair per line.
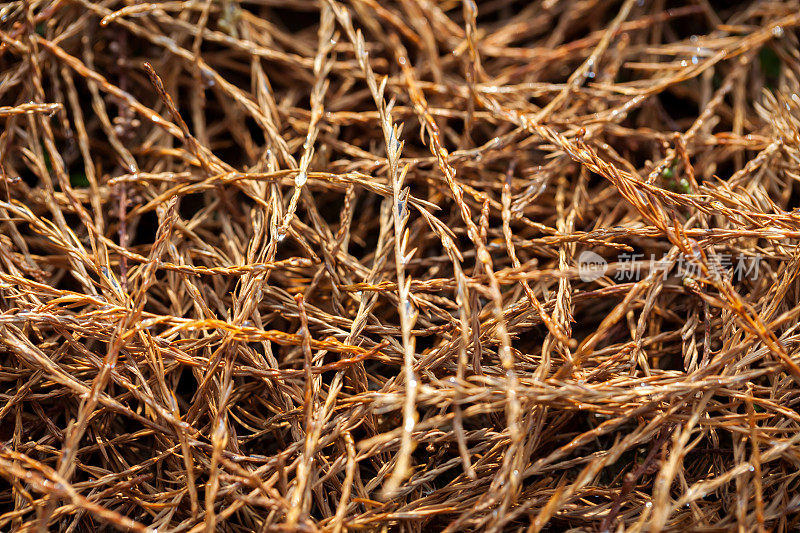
394,144
300,179
777,31
590,69
684,63
695,60
648,505
752,468
207,77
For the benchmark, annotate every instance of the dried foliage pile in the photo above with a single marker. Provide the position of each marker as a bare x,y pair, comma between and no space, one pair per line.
316,264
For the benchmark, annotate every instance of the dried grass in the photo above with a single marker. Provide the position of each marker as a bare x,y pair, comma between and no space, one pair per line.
314,265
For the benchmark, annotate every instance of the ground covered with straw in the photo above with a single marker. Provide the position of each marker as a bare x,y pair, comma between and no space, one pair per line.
328,265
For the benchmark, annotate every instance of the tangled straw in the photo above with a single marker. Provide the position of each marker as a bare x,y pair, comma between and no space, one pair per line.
322,265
